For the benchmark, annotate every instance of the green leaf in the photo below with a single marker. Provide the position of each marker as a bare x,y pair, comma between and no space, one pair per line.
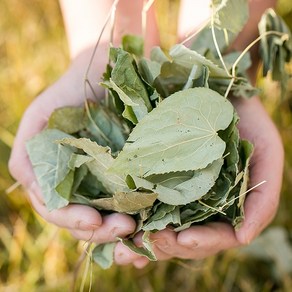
142,251
99,166
159,211
172,217
105,128
103,254
77,160
128,84
246,153
68,119
275,50
198,185
188,58
271,45
64,188
175,77
204,41
198,81
242,66
79,175
193,213
232,138
240,88
149,70
165,194
172,78
182,188
128,112
133,44
179,135
50,164
231,15
158,55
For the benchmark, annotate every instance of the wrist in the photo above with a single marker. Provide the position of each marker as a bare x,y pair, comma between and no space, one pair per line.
88,66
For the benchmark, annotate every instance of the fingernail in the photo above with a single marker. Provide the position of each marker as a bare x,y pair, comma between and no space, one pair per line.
189,243
82,225
162,243
248,232
193,244
121,230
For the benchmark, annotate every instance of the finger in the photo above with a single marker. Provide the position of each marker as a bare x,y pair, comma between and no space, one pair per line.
206,240
113,226
162,239
19,156
266,165
124,256
73,216
262,203
141,263
33,121
165,244
260,208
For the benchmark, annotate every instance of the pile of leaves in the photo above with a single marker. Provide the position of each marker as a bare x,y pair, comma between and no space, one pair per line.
164,146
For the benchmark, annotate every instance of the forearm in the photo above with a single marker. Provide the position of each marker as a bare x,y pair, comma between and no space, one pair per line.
84,21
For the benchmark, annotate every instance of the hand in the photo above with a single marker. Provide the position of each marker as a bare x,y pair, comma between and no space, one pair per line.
261,204
82,221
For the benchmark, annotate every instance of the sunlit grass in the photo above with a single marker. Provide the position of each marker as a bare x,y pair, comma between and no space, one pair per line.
36,256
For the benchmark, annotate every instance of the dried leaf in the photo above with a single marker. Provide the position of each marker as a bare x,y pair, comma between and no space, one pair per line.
133,44
130,202
188,58
50,164
172,217
103,254
68,119
142,251
181,188
99,166
227,16
128,85
179,135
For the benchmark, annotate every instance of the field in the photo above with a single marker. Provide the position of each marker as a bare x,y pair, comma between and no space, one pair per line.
36,256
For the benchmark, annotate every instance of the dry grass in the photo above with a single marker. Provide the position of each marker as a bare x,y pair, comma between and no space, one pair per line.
35,256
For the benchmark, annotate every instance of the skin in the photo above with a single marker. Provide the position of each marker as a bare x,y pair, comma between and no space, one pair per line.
85,223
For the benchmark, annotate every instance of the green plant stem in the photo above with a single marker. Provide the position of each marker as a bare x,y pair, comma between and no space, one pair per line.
233,73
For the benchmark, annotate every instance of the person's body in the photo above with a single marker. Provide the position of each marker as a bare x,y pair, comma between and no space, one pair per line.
83,21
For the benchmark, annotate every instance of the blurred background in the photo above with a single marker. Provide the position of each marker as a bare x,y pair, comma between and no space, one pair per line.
36,256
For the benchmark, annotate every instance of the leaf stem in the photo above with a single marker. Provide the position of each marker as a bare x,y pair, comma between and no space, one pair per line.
88,268
204,24
233,73
244,193
212,208
110,17
215,41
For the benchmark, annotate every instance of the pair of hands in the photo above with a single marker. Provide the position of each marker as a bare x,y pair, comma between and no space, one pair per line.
197,242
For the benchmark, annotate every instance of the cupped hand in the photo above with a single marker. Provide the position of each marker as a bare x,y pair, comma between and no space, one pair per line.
82,221
260,206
